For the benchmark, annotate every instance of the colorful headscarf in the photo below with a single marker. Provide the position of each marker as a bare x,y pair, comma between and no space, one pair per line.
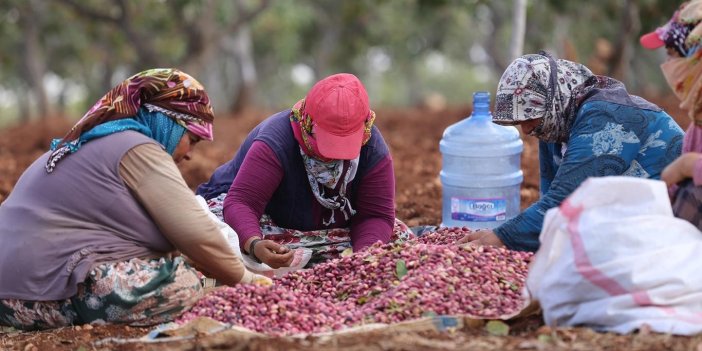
155,125
331,174
167,91
539,86
302,129
675,37
684,74
691,14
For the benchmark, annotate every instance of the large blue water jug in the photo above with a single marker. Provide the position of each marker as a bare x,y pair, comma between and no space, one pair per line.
481,175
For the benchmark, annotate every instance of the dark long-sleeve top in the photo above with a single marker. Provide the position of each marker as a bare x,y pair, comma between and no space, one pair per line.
267,175
613,134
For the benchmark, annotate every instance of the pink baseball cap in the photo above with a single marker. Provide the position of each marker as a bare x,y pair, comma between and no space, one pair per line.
653,39
338,107
665,34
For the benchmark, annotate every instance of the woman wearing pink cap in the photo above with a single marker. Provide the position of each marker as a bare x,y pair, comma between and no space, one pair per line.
681,37
318,175
91,230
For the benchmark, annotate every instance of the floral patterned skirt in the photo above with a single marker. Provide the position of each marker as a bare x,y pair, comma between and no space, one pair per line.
325,244
137,292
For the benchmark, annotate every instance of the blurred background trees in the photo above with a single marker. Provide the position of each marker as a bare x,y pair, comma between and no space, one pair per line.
59,56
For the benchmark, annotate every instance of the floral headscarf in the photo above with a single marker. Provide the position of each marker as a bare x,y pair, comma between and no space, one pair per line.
302,124
684,74
691,14
166,91
331,174
539,86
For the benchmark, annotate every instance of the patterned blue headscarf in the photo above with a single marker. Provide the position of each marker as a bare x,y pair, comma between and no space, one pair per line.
153,124
539,86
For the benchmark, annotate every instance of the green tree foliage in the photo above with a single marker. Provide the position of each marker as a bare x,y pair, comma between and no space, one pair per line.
404,49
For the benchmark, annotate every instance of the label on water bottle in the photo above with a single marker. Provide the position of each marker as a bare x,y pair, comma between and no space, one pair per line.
478,210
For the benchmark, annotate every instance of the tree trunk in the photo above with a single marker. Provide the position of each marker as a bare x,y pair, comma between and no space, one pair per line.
206,38
492,42
203,41
331,34
623,49
22,104
108,70
561,28
33,57
60,107
414,91
243,52
519,18
140,42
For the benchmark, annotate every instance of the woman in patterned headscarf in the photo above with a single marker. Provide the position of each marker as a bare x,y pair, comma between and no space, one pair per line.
587,126
318,176
91,230
682,39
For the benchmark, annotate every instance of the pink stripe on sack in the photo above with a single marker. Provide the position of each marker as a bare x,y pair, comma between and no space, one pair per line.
689,318
582,261
597,277
641,298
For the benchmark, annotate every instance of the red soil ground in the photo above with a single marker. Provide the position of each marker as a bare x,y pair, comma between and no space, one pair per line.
413,135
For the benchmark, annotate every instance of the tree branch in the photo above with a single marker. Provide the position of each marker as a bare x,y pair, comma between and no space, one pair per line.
491,41
147,55
86,11
247,16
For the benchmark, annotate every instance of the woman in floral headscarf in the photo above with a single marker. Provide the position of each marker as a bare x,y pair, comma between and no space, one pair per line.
587,126
681,37
91,230
316,176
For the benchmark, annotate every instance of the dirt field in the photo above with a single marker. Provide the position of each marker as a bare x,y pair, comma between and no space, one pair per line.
413,135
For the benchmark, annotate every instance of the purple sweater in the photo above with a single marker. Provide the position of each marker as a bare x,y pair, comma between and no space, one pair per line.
269,177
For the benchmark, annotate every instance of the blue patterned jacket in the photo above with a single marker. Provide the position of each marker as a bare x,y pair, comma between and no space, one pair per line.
614,133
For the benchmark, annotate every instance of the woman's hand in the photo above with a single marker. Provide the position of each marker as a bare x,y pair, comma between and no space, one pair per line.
682,168
273,254
481,238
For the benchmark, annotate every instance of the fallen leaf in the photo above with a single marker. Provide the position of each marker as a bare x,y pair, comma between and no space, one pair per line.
400,269
497,328
544,338
429,314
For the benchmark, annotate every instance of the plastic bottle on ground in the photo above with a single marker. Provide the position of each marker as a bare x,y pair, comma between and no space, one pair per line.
481,175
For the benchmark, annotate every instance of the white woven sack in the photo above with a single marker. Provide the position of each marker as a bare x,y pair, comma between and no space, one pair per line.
613,257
